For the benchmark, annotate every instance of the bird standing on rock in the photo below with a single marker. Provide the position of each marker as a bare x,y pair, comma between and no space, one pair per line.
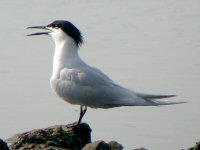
81,84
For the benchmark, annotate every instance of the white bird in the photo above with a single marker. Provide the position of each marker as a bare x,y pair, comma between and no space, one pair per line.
81,84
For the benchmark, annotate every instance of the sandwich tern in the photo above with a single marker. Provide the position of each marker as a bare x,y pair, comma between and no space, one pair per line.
81,84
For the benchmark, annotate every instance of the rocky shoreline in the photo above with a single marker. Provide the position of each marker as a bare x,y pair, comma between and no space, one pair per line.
63,137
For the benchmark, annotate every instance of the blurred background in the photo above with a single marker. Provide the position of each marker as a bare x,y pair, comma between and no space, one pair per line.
148,46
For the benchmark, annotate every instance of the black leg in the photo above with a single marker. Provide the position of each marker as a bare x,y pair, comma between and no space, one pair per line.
80,116
83,110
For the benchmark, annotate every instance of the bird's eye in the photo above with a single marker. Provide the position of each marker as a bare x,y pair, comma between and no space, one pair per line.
55,26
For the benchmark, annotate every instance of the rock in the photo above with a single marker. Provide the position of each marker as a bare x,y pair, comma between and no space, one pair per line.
97,145
141,148
3,145
196,147
115,146
82,131
61,137
101,145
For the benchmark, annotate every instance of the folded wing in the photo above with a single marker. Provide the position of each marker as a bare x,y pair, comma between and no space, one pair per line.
89,86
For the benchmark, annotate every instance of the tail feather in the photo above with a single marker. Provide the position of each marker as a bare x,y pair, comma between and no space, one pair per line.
142,103
158,102
130,98
153,97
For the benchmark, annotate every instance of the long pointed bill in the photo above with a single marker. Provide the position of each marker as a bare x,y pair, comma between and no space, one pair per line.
38,33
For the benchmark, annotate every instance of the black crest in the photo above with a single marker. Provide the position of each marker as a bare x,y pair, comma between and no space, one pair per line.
69,29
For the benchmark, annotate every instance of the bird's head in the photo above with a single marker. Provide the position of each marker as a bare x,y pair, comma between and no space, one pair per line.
60,30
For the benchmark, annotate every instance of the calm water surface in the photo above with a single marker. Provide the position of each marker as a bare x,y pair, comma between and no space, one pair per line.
149,46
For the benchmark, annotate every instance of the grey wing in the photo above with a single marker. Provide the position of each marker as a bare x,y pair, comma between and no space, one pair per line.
89,86
84,86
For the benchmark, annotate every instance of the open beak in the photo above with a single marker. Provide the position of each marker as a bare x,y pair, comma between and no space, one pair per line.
39,33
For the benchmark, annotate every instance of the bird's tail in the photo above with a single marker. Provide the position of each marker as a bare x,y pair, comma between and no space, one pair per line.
126,97
154,99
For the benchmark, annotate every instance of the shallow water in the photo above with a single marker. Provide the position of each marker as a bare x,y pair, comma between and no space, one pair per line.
149,46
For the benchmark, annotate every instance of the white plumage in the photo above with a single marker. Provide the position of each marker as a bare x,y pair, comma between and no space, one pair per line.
78,83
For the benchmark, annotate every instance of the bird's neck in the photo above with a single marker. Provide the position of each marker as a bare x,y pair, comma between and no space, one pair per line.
65,56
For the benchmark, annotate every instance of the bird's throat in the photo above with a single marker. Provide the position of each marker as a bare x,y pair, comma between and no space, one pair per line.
65,56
